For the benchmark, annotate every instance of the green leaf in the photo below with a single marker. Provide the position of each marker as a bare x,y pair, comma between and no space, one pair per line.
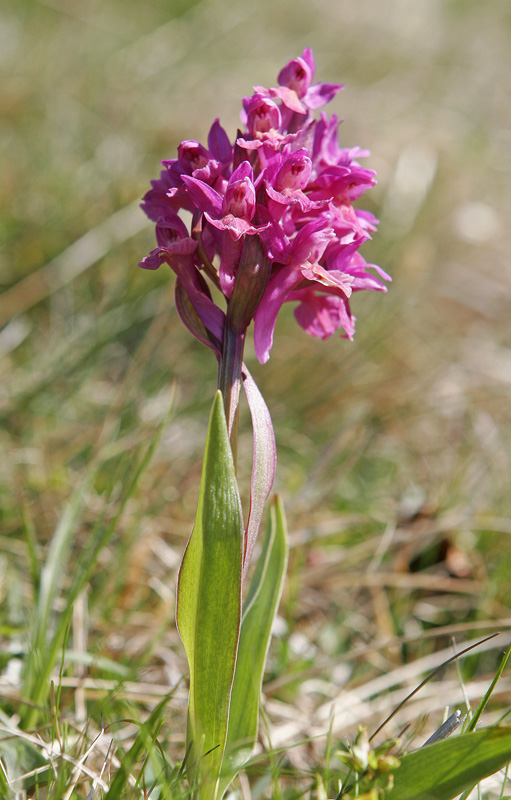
209,603
441,771
260,609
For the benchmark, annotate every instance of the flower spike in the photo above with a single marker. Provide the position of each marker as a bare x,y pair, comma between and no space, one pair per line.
286,183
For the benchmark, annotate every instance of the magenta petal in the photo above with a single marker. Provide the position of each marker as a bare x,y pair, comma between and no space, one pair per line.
295,170
244,170
156,203
381,272
219,144
191,155
290,99
205,198
154,260
296,75
175,253
263,465
365,280
250,144
308,57
318,315
268,309
212,317
263,115
291,196
335,280
179,258
191,319
240,193
311,241
321,93
236,227
367,220
170,230
322,315
347,319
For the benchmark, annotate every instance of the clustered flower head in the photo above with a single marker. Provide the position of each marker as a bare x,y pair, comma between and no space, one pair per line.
272,217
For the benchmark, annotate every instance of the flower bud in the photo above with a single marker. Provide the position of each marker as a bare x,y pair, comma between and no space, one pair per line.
250,283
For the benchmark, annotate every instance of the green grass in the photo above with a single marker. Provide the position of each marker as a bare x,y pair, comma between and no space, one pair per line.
393,451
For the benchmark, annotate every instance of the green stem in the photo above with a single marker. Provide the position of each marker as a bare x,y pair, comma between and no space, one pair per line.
229,381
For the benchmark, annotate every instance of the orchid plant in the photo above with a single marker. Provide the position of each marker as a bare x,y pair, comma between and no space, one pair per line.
271,220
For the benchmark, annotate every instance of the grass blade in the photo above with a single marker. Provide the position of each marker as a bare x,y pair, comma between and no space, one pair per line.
38,665
482,705
145,739
43,649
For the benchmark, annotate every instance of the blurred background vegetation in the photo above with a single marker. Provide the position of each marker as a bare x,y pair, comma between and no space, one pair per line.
394,450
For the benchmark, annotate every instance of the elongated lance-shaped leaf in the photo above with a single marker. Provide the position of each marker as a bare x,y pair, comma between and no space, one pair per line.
209,604
441,771
263,465
259,612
